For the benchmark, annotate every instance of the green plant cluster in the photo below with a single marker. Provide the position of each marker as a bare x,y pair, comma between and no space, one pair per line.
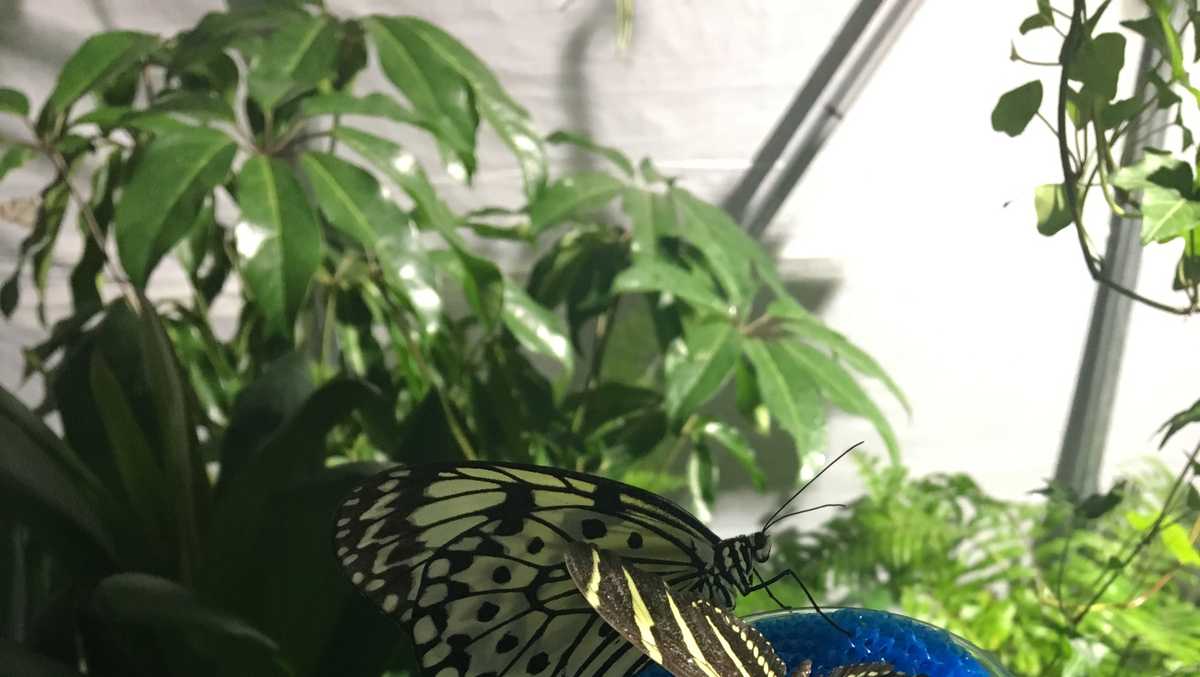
1070,587
1090,123
179,525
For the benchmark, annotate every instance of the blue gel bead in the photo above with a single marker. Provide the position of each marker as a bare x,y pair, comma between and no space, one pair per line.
908,644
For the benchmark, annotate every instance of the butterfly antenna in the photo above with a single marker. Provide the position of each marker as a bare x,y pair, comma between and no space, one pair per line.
801,512
771,519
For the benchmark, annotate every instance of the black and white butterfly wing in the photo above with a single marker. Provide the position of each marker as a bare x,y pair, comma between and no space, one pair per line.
679,630
469,557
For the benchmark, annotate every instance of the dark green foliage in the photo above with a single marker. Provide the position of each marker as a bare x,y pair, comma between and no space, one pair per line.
180,525
1059,588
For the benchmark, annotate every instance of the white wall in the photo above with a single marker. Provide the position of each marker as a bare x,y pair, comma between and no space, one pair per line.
979,318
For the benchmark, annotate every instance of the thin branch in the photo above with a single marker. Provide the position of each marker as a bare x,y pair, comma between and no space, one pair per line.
1144,541
89,219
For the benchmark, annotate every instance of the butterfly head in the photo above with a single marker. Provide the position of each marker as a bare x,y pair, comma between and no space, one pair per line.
760,547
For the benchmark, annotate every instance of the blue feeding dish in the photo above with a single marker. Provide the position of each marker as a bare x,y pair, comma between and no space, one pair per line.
908,644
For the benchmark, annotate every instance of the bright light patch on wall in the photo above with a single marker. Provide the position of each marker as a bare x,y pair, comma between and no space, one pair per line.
249,238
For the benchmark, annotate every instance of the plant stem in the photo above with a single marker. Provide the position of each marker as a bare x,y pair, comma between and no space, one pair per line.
456,429
601,331
1070,176
89,219
1141,544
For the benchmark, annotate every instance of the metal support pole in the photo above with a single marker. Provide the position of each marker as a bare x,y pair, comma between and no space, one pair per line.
851,85
848,36
1088,423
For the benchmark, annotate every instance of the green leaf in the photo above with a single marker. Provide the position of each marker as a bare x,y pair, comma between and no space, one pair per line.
164,192
1050,205
402,168
200,105
438,92
331,629
746,395
537,329
653,481
294,453
100,60
374,105
38,246
840,387
1187,270
278,240
571,197
1178,543
45,485
407,267
698,365
14,158
1118,112
12,101
1149,28
1079,108
509,120
1097,65
738,447
702,476
18,661
1170,39
1034,22
1166,214
107,118
732,255
137,467
351,198
1156,169
481,280
136,600
639,206
1016,108
790,394
1099,505
805,325
295,57
1178,421
1164,94
651,174
607,152
171,401
1166,205
655,275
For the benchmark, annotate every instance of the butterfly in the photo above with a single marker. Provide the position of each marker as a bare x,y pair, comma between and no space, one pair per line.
469,558
681,631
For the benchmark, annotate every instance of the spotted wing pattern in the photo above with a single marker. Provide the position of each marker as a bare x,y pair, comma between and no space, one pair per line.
469,557
877,669
679,630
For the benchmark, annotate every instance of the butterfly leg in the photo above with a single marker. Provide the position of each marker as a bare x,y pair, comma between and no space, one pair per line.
803,670
766,585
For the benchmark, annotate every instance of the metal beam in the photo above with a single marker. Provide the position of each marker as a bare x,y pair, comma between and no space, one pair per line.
771,150
851,84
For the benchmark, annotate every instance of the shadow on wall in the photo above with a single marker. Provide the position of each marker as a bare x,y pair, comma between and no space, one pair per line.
20,35
574,79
